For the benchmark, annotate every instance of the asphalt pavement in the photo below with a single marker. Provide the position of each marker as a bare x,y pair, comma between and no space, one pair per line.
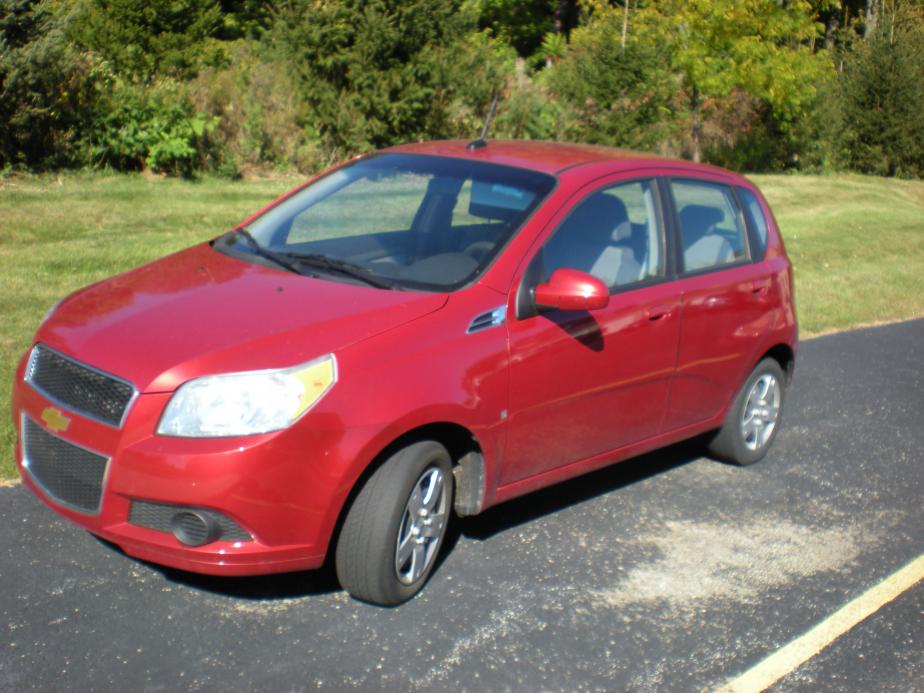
670,572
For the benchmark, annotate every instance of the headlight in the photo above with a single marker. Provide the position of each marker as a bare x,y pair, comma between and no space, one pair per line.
239,404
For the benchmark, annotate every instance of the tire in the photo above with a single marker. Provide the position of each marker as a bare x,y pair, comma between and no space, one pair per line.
754,417
383,555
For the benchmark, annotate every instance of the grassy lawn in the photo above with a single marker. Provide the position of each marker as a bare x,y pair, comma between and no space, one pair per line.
857,245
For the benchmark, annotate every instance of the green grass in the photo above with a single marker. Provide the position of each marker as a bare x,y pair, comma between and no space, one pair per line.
61,233
857,245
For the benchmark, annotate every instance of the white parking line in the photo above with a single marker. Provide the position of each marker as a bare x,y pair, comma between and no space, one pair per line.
791,656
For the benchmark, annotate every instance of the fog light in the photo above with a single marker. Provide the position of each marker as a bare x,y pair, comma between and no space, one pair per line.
194,529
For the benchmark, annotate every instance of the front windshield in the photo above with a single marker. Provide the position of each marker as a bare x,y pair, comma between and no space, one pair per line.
410,221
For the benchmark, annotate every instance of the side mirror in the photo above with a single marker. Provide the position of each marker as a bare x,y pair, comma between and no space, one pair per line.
570,289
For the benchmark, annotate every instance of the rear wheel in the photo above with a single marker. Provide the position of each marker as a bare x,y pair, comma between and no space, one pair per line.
393,531
754,417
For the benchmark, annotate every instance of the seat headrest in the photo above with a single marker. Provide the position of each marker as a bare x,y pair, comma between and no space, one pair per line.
699,219
599,218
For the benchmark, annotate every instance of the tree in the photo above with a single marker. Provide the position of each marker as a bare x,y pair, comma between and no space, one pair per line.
760,47
524,23
613,93
144,39
882,95
370,71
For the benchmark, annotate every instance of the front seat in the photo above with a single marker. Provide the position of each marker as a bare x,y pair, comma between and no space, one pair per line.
587,242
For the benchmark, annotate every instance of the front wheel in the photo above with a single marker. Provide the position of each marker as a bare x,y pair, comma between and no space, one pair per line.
754,417
393,531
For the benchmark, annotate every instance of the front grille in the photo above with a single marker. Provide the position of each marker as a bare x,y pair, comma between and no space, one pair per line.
82,389
68,474
159,516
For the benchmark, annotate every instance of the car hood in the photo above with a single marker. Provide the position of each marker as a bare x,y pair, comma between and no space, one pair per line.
200,312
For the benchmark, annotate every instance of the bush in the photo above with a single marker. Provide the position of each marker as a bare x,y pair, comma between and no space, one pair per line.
46,87
257,113
154,127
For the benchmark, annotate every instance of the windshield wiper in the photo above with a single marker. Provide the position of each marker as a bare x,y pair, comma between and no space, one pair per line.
270,255
344,267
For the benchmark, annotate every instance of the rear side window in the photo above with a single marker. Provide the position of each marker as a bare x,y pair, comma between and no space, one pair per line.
711,226
613,234
757,220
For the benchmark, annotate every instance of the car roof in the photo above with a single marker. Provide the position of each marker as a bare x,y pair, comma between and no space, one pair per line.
547,157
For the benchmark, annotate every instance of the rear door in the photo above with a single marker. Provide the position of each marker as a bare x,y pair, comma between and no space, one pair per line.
725,295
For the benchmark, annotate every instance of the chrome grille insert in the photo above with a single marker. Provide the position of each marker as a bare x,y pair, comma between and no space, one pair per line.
70,475
82,389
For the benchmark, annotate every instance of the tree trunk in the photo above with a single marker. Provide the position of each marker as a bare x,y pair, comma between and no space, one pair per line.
831,27
696,126
625,22
563,19
872,16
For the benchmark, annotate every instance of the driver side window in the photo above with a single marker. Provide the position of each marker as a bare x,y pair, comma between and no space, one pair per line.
613,234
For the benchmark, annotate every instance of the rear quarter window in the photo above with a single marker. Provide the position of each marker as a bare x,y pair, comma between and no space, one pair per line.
756,219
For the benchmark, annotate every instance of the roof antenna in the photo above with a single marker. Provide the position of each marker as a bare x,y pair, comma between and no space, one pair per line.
480,142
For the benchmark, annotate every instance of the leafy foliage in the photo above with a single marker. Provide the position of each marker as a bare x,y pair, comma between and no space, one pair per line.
367,70
153,128
45,86
256,109
882,98
179,86
143,39
760,47
615,95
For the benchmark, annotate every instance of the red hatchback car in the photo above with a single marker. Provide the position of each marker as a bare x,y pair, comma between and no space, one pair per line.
432,329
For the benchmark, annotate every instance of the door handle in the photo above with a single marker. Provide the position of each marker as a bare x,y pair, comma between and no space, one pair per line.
658,312
760,287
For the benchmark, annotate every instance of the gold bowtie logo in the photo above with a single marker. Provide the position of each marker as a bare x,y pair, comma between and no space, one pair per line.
55,419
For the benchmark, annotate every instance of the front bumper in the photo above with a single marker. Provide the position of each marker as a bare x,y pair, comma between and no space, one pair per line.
284,497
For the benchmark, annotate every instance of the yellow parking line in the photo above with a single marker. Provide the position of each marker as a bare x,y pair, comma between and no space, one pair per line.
791,656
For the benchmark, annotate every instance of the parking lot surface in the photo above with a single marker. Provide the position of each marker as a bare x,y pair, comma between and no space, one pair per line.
667,572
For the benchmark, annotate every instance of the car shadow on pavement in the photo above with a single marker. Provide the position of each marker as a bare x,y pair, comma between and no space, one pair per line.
480,527
304,583
580,489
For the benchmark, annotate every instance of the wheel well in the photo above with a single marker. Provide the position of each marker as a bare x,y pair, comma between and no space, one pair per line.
783,355
458,440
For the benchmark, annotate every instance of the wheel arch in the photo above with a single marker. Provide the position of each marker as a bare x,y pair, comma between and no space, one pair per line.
465,451
784,355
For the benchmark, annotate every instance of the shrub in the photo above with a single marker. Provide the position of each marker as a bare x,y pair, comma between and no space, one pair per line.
257,114
46,87
154,127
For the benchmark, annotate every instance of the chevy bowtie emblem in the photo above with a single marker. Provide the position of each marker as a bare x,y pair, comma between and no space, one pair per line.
55,419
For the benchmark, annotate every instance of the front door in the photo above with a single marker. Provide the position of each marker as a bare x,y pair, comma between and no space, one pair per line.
586,383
